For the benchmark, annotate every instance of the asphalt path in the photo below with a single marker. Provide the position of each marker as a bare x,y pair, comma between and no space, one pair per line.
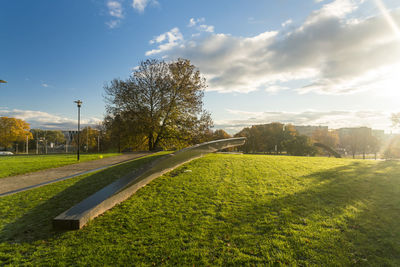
19,183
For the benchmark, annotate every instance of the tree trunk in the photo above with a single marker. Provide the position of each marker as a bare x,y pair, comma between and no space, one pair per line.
151,145
119,143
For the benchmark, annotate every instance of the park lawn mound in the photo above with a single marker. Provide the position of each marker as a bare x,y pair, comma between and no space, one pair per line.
220,210
15,165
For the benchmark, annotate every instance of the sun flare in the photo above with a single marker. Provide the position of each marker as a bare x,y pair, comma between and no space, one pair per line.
388,17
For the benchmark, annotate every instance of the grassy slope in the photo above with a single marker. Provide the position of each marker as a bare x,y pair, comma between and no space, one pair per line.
221,209
14,165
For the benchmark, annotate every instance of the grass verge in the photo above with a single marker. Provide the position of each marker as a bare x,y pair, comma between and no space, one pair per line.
14,165
219,210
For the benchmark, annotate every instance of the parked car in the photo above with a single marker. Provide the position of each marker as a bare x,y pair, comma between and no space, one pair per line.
6,153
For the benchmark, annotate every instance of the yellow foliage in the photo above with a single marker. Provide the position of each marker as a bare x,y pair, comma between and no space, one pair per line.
328,138
13,130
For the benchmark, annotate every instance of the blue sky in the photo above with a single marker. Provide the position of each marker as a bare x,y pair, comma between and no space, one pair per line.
311,62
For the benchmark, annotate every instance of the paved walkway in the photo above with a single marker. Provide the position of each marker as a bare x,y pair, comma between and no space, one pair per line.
14,184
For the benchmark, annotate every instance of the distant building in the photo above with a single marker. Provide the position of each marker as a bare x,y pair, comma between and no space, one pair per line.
308,130
342,132
380,134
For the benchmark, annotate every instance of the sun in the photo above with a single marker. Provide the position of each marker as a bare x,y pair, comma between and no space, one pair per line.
390,85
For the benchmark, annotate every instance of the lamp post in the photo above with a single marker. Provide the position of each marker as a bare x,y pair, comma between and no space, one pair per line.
79,104
27,146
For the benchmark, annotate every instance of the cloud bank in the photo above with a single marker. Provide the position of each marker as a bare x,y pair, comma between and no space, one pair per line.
336,52
44,120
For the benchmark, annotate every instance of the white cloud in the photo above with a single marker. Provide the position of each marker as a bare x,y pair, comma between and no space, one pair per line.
193,22
273,89
113,23
166,41
333,119
45,85
206,28
115,9
44,120
140,5
337,53
200,27
334,9
289,21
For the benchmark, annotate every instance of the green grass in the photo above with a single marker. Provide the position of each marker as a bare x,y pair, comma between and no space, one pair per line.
14,165
219,210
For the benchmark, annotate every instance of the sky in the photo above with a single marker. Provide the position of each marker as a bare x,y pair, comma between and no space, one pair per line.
309,62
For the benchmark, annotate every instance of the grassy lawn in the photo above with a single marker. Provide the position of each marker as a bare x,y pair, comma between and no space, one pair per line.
14,165
219,210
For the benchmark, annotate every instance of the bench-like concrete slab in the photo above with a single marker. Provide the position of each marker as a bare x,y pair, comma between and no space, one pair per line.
118,191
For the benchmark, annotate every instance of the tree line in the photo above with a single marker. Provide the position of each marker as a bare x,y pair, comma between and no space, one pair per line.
15,135
160,106
276,138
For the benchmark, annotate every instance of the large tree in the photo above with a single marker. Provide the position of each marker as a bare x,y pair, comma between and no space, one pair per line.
359,140
270,138
328,138
162,103
300,145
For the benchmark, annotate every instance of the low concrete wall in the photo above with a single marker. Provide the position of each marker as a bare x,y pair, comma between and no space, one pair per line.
118,191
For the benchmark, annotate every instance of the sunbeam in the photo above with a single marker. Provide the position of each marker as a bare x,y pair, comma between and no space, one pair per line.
389,19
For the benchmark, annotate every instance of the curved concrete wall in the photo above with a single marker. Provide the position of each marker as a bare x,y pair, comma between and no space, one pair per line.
328,149
118,191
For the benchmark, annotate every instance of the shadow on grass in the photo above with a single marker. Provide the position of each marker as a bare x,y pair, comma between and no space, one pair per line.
359,202
373,231
36,224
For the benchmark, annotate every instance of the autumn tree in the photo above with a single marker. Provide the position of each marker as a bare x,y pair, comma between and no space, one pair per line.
13,130
360,141
300,145
374,145
350,143
328,138
160,103
220,134
267,138
89,138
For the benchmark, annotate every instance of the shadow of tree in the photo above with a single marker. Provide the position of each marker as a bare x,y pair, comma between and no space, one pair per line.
355,207
36,223
356,204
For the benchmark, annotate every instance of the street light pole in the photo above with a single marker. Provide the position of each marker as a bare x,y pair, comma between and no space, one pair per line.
79,104
27,147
